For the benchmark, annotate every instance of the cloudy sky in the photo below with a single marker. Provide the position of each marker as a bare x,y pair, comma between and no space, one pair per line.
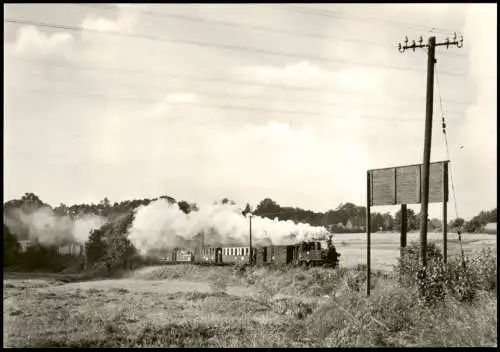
199,102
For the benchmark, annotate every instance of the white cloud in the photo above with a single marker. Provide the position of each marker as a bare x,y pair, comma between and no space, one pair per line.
100,24
126,21
135,148
358,78
306,74
170,101
30,41
180,98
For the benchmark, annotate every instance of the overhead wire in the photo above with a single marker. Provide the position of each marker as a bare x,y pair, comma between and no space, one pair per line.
443,127
233,24
258,97
287,87
223,46
349,17
218,106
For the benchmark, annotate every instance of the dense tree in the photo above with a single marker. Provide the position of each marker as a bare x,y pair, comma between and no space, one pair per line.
267,206
377,221
109,245
457,223
61,210
474,225
436,225
388,222
95,246
11,248
247,210
412,220
184,206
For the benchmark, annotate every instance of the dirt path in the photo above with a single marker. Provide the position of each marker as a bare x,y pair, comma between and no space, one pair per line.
156,286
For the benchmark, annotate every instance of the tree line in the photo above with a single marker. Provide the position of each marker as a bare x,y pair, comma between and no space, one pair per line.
109,249
348,217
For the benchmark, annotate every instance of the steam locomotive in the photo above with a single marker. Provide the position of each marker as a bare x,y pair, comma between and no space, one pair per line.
306,253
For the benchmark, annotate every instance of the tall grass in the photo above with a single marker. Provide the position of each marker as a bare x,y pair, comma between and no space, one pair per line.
298,308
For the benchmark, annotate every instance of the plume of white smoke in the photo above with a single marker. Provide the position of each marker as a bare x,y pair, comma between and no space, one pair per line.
46,228
163,225
83,225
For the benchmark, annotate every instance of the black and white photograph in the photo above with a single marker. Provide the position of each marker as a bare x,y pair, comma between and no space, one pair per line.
269,175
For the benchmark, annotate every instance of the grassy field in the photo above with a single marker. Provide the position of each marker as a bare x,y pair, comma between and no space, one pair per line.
385,246
192,306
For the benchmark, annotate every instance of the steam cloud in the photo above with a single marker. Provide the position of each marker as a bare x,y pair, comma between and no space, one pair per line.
47,228
163,225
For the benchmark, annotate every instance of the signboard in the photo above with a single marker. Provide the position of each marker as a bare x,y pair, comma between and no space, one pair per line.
403,184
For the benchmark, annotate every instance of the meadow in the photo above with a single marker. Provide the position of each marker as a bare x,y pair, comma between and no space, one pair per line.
192,306
385,246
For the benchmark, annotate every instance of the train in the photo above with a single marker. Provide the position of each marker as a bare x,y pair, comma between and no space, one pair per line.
306,253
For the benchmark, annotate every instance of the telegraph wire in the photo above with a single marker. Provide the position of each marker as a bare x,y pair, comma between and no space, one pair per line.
222,46
246,25
108,98
259,97
108,70
349,17
443,125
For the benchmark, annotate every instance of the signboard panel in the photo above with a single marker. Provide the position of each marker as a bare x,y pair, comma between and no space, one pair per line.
407,180
383,186
403,184
435,183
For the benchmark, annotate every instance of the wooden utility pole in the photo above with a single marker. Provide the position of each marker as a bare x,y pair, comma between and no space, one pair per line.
431,60
250,257
368,233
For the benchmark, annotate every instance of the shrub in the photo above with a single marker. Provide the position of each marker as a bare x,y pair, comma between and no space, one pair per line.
459,280
483,267
408,266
